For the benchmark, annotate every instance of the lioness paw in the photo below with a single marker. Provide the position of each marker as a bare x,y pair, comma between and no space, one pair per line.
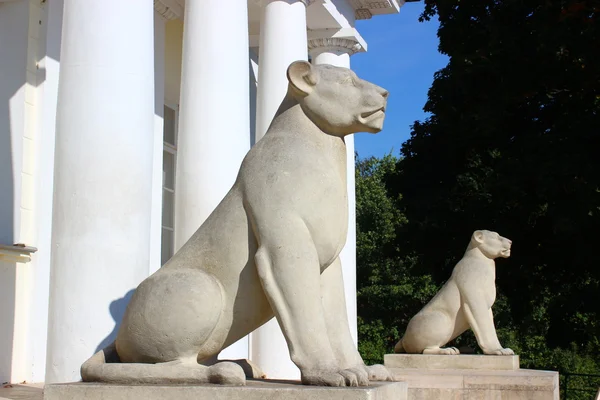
323,378
500,352
378,372
448,351
355,377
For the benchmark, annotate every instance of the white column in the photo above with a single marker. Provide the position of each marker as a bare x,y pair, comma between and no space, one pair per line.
103,174
214,120
46,129
282,41
337,51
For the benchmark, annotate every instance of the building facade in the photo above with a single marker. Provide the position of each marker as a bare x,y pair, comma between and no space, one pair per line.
122,126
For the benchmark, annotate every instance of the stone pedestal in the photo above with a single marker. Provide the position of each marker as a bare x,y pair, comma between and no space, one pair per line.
254,390
463,361
471,377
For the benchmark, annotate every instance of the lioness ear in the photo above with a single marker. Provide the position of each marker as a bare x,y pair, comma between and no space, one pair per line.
302,76
478,236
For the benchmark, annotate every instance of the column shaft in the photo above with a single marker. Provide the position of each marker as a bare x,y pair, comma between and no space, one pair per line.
103,174
282,41
214,120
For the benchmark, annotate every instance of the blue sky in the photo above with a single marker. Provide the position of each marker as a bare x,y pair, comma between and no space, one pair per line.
402,57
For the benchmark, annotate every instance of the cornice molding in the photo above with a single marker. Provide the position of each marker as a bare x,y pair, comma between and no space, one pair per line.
362,13
306,2
349,46
365,9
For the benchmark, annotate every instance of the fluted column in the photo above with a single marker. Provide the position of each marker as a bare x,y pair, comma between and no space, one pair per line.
282,41
103,175
337,52
214,120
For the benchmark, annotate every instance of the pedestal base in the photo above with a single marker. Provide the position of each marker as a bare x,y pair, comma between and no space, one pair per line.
462,361
254,390
478,378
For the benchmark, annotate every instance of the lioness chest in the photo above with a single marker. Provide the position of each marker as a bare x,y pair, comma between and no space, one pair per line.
301,182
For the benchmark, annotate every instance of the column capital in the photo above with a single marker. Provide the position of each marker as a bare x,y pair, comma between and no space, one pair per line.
345,45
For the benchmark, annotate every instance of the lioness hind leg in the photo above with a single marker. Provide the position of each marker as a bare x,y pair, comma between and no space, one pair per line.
96,369
441,350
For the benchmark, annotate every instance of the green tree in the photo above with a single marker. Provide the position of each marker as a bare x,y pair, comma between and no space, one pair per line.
389,291
509,146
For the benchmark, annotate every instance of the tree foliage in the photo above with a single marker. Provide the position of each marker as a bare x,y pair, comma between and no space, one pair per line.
389,290
509,146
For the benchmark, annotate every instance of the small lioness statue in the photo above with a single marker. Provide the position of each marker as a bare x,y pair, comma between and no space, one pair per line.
269,249
464,301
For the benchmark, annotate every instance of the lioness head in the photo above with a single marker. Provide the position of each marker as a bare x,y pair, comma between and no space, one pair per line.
336,100
491,244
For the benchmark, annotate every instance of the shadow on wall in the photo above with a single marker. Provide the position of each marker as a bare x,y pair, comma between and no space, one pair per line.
117,310
13,58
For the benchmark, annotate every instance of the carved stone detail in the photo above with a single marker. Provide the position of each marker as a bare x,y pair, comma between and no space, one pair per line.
362,13
347,45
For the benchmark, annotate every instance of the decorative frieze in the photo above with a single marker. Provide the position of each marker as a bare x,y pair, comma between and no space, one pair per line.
364,8
347,45
362,13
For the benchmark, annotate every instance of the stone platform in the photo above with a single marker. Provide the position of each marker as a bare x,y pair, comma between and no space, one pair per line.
28,391
254,390
442,379
463,361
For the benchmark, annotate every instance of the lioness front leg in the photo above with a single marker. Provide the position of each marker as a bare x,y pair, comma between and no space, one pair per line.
289,270
346,352
481,320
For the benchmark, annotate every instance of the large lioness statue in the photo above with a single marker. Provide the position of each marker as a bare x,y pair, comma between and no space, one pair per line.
270,248
464,301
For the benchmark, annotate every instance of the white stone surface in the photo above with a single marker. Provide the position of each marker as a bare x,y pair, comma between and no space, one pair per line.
460,361
258,390
49,67
270,248
469,384
103,174
465,301
280,19
214,124
17,99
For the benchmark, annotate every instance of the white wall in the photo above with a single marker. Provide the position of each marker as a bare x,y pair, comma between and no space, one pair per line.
29,47
16,176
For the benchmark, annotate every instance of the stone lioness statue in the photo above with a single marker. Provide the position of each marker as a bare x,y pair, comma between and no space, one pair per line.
464,301
270,248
